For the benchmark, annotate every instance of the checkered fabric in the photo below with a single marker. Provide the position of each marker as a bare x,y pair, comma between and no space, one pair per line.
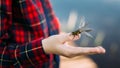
23,24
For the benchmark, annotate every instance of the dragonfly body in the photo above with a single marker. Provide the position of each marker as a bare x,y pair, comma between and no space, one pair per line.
82,29
76,32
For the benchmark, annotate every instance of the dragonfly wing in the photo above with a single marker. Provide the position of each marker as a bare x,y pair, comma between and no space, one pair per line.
88,30
88,35
85,30
82,22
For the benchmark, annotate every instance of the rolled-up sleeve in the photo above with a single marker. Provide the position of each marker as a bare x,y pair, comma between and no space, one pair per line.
28,54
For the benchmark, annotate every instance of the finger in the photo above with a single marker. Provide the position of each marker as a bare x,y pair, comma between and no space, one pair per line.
102,50
77,51
65,37
92,50
77,37
71,37
70,51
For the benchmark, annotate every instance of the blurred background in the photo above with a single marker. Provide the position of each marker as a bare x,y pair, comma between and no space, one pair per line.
103,16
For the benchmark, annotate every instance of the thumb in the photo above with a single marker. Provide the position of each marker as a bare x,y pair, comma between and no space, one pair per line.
69,37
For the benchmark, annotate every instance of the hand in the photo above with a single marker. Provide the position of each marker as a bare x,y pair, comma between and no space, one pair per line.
56,44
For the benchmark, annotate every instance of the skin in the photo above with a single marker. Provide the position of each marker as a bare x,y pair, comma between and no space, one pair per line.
56,44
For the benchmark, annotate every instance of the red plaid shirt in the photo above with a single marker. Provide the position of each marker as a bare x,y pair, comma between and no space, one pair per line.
23,24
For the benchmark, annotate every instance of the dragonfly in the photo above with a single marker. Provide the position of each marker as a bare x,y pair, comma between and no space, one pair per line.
82,29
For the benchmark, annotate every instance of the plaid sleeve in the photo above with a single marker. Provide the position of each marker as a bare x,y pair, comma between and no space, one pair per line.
29,54
24,55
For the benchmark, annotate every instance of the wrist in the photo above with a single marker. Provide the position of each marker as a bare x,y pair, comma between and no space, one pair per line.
44,45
